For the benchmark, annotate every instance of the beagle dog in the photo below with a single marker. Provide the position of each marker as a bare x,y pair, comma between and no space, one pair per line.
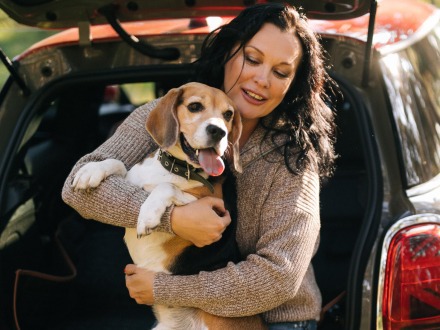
195,126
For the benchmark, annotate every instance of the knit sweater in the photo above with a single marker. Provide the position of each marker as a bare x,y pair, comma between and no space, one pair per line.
277,232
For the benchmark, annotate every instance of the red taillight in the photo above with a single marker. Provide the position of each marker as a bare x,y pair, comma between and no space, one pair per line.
412,280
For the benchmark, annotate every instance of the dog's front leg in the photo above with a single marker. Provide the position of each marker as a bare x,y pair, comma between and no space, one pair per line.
162,196
92,174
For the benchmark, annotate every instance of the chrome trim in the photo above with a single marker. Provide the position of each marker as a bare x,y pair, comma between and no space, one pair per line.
399,225
422,32
424,188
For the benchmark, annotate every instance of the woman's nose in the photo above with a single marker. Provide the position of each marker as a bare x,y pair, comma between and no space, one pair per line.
262,78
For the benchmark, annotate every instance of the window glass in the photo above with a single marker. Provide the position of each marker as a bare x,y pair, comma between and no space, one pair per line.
412,78
140,93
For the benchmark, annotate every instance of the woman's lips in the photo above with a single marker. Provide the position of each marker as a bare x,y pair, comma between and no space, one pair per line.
252,97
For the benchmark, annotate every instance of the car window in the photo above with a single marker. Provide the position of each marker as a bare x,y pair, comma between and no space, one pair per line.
412,79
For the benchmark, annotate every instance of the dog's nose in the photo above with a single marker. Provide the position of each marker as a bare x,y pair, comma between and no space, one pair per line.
215,132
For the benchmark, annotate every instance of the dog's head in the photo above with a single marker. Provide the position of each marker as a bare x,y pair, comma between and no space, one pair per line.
198,124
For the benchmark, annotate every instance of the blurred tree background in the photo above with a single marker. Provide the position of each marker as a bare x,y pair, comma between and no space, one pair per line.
15,38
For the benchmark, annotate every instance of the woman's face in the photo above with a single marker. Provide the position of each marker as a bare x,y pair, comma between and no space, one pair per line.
258,77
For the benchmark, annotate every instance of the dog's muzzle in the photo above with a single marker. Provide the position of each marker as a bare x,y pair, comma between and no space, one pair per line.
208,158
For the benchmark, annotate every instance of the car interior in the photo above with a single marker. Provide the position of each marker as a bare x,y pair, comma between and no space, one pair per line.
64,272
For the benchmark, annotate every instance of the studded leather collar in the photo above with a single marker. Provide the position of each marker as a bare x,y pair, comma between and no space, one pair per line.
182,168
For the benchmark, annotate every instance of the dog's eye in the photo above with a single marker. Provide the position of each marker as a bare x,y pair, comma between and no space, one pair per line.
228,115
195,107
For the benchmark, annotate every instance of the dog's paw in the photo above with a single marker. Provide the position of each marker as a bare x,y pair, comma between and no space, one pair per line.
154,207
92,174
89,176
149,217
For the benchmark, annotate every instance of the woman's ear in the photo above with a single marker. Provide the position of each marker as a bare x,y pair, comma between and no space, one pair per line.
234,139
162,123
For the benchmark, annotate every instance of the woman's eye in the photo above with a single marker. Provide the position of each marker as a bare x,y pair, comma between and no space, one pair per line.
228,115
281,74
251,60
195,107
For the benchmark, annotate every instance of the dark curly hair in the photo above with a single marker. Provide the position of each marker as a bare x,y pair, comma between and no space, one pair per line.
303,118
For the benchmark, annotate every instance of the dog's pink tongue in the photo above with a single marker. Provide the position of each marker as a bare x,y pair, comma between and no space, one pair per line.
211,162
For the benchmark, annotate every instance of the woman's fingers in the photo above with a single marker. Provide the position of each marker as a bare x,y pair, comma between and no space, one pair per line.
217,204
139,282
201,222
130,269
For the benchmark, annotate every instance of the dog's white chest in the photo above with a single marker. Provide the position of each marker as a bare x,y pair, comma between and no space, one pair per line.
165,188
147,251
148,174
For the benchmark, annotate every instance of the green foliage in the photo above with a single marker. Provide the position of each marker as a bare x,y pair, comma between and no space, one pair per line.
15,38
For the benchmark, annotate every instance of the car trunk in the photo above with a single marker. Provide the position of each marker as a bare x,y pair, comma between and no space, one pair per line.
73,95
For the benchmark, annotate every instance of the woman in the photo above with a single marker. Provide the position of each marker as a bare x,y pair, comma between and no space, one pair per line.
270,63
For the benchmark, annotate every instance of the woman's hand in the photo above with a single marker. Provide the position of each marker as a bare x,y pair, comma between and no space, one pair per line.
201,222
139,282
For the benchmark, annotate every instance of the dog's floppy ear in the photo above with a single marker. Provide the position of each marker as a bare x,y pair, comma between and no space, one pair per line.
234,139
162,122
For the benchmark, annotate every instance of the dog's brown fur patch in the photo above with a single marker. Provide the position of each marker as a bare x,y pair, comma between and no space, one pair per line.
173,248
204,191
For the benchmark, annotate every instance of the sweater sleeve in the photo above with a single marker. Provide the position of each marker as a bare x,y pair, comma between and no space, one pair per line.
288,231
115,201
